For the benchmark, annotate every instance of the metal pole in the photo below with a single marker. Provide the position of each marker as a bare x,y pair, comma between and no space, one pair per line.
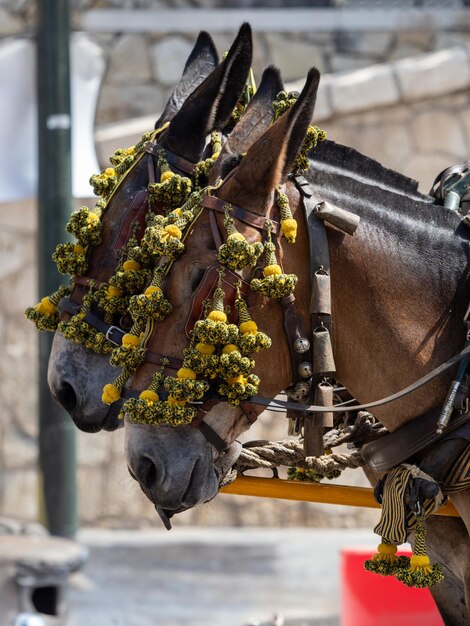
56,431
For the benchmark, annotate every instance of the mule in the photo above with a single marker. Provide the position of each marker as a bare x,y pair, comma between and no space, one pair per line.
399,294
203,101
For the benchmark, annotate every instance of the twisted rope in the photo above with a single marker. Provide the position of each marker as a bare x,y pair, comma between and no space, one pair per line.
290,452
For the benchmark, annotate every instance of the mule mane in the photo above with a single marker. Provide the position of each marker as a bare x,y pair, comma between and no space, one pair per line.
346,161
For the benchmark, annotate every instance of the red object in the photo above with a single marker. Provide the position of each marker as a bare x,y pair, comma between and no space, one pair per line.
369,599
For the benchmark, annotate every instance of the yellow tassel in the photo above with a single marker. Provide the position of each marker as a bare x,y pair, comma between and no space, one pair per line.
110,394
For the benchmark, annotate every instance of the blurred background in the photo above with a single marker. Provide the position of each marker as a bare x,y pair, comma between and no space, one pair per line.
395,86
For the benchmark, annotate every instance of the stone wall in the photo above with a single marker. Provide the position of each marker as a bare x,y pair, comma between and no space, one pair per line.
413,115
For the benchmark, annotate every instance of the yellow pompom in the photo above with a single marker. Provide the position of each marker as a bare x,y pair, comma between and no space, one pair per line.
149,395
289,229
173,402
272,270
166,176
130,340
186,372
205,348
235,237
78,249
151,290
419,561
248,327
178,212
386,548
216,155
130,265
130,150
217,316
237,379
173,230
92,218
229,348
109,171
113,291
46,307
110,394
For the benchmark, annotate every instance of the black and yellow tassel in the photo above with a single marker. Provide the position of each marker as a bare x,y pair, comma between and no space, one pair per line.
130,278
215,329
45,314
288,223
250,339
420,573
70,259
202,358
237,253
85,225
385,561
275,283
239,388
103,184
151,304
147,408
172,190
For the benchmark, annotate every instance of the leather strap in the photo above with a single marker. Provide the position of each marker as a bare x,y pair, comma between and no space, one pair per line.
87,281
184,165
212,437
156,359
391,450
294,329
247,217
114,334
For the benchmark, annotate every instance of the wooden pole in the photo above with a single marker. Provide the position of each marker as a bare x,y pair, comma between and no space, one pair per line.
312,492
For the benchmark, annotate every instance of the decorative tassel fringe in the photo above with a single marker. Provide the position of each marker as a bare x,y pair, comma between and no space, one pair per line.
250,339
275,283
70,259
288,223
420,573
45,314
172,190
85,225
214,329
386,562
237,253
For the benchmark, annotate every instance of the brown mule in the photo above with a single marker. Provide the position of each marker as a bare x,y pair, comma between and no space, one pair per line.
203,101
400,289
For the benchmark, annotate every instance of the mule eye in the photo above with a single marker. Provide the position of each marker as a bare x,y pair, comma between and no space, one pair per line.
197,274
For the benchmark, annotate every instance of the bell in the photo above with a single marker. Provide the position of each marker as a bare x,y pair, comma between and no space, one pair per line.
300,392
301,345
305,369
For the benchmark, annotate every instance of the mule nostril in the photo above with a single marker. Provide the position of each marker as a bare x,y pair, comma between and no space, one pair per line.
66,396
146,473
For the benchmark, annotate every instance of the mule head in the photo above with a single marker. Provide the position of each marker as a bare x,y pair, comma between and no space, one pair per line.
177,467
201,102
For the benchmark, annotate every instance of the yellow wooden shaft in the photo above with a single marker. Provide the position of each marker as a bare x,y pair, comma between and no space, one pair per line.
312,492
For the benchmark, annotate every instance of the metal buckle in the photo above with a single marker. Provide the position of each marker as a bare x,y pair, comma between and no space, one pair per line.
110,330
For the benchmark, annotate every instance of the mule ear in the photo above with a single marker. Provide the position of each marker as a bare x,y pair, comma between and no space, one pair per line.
202,60
211,104
254,121
305,107
269,160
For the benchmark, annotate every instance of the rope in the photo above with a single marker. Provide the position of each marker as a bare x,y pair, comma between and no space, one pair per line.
290,452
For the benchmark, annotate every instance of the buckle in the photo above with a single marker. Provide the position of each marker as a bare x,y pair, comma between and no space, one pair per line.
120,333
